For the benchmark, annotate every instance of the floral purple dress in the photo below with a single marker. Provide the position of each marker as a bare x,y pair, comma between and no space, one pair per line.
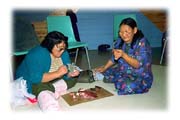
129,80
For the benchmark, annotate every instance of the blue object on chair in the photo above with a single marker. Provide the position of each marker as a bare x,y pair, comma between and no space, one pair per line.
63,24
117,21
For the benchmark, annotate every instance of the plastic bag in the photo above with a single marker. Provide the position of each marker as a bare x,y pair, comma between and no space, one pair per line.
19,94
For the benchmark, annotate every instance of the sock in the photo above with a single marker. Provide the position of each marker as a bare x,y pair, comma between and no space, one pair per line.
60,88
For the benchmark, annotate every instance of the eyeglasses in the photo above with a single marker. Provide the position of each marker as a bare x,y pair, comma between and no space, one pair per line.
60,48
125,32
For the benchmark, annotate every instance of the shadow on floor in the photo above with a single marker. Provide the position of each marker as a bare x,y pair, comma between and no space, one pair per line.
100,58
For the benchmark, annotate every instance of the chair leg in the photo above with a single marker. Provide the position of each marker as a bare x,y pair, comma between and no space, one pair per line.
162,55
77,50
87,55
88,58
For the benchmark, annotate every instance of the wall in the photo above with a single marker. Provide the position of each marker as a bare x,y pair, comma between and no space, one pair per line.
152,33
96,26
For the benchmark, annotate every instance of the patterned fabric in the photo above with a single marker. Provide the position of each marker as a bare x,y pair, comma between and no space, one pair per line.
55,64
129,80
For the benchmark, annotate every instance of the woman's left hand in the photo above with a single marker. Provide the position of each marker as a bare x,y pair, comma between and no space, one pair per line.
118,53
73,74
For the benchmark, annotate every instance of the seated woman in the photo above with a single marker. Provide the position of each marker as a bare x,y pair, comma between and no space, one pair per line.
132,53
45,71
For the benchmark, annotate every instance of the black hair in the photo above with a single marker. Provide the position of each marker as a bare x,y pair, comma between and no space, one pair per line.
132,23
53,38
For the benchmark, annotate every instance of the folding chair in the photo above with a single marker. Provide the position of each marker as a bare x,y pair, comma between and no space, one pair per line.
63,24
165,39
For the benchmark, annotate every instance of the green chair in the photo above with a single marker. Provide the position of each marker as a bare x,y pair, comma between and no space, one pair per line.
63,24
117,21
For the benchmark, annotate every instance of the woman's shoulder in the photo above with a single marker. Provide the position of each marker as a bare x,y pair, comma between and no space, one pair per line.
38,51
144,42
143,39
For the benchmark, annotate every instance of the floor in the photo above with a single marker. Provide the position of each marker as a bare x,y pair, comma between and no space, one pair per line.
155,99
99,58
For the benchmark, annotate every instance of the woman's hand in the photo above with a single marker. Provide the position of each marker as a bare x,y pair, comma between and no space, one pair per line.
105,67
73,74
56,74
131,61
62,70
117,53
100,69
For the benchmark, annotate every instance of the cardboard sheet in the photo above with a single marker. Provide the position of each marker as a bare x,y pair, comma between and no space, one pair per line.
101,93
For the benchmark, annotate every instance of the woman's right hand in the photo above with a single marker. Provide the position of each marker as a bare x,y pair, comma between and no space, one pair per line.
62,70
117,53
54,75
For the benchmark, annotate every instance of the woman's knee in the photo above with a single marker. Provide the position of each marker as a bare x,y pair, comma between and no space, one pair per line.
47,101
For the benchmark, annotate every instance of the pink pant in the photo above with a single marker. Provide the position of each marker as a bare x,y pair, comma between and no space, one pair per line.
48,100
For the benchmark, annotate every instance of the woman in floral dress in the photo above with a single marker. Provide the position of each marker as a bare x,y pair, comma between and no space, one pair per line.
132,54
